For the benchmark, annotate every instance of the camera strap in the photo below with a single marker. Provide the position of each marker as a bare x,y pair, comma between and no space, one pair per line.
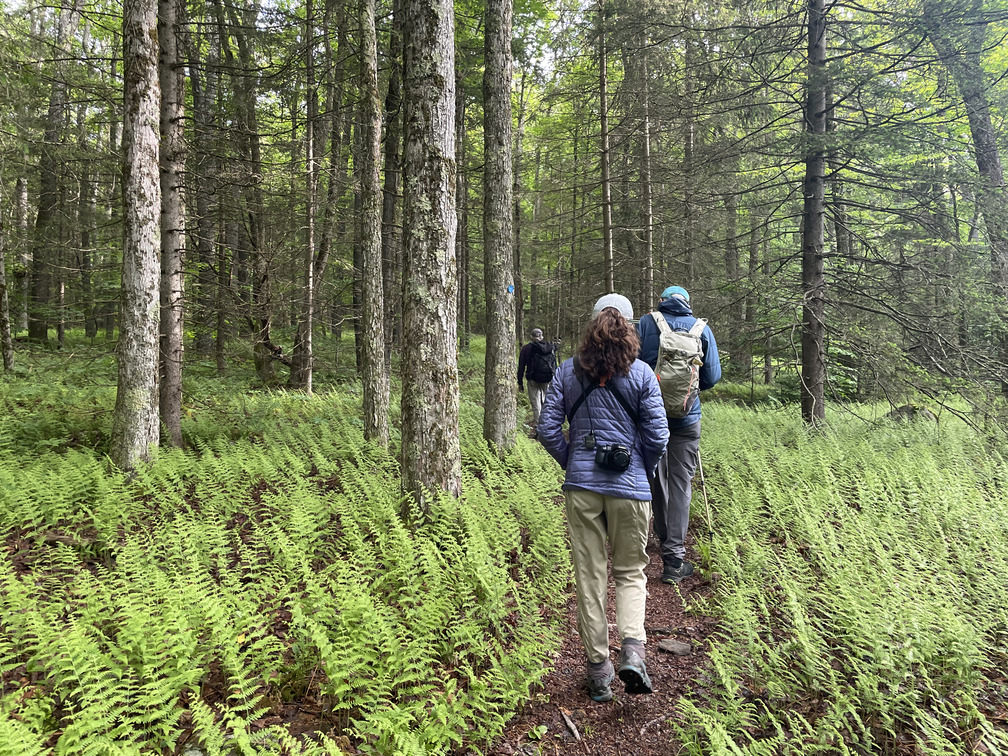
578,373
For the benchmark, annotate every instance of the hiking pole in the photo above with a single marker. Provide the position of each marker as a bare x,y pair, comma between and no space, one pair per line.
703,487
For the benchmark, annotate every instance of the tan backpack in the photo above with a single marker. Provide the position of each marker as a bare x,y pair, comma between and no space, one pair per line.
680,357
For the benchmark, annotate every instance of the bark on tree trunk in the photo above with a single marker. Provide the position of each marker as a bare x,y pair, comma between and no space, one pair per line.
135,427
813,378
391,219
646,189
21,213
462,204
172,219
959,36
431,456
519,284
204,178
499,406
374,377
732,275
261,308
607,233
6,341
301,355
45,238
689,138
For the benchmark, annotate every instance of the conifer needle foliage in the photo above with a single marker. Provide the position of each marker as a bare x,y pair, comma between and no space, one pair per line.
184,607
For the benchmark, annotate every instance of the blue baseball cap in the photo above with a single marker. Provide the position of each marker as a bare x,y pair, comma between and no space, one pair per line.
675,291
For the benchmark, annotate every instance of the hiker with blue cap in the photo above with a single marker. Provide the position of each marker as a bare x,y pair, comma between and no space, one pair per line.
681,349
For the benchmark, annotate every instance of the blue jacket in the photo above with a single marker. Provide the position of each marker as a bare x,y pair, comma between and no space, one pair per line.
602,413
679,316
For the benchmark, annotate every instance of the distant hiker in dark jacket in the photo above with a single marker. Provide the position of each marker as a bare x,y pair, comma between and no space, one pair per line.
536,362
672,487
617,433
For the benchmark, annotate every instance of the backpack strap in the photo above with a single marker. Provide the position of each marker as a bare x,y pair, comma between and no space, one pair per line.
663,325
698,327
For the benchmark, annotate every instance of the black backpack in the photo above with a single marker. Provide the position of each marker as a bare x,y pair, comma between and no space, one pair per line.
543,362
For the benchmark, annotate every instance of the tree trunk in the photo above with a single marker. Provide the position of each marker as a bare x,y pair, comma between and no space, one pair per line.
813,378
172,79
21,213
959,36
462,203
45,239
374,377
431,456
689,175
135,427
519,284
646,189
261,306
607,232
301,355
733,278
204,187
752,298
500,400
6,341
391,220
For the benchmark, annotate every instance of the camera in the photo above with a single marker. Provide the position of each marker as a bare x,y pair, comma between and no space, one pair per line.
615,457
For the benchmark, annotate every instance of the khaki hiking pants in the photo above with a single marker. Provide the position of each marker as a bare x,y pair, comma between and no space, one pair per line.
593,518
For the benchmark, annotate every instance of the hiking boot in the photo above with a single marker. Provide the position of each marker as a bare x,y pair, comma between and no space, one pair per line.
674,573
600,677
632,670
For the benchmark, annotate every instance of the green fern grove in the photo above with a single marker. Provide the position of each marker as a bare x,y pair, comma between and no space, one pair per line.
863,589
181,609
861,581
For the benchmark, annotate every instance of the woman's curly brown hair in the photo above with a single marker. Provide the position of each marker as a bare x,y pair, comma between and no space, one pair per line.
609,345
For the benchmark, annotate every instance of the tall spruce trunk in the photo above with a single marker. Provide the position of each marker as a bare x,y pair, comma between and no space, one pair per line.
391,219
204,175
172,80
607,231
46,237
135,427
431,455
301,355
647,192
813,377
689,174
516,227
6,341
500,396
959,36
374,377
21,214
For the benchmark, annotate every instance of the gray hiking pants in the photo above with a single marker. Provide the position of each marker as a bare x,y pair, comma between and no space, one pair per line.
672,489
537,395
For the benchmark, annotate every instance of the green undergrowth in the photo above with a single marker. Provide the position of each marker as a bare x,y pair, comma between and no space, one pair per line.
193,605
862,584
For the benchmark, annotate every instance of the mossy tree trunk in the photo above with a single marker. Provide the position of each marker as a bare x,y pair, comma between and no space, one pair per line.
375,378
135,427
500,399
431,456
173,221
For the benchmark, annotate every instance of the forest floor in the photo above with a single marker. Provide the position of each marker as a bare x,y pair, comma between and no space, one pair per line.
627,725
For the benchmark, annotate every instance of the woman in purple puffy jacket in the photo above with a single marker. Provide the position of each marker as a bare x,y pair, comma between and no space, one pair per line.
617,433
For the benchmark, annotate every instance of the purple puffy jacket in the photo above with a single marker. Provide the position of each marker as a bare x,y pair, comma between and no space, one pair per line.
601,412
